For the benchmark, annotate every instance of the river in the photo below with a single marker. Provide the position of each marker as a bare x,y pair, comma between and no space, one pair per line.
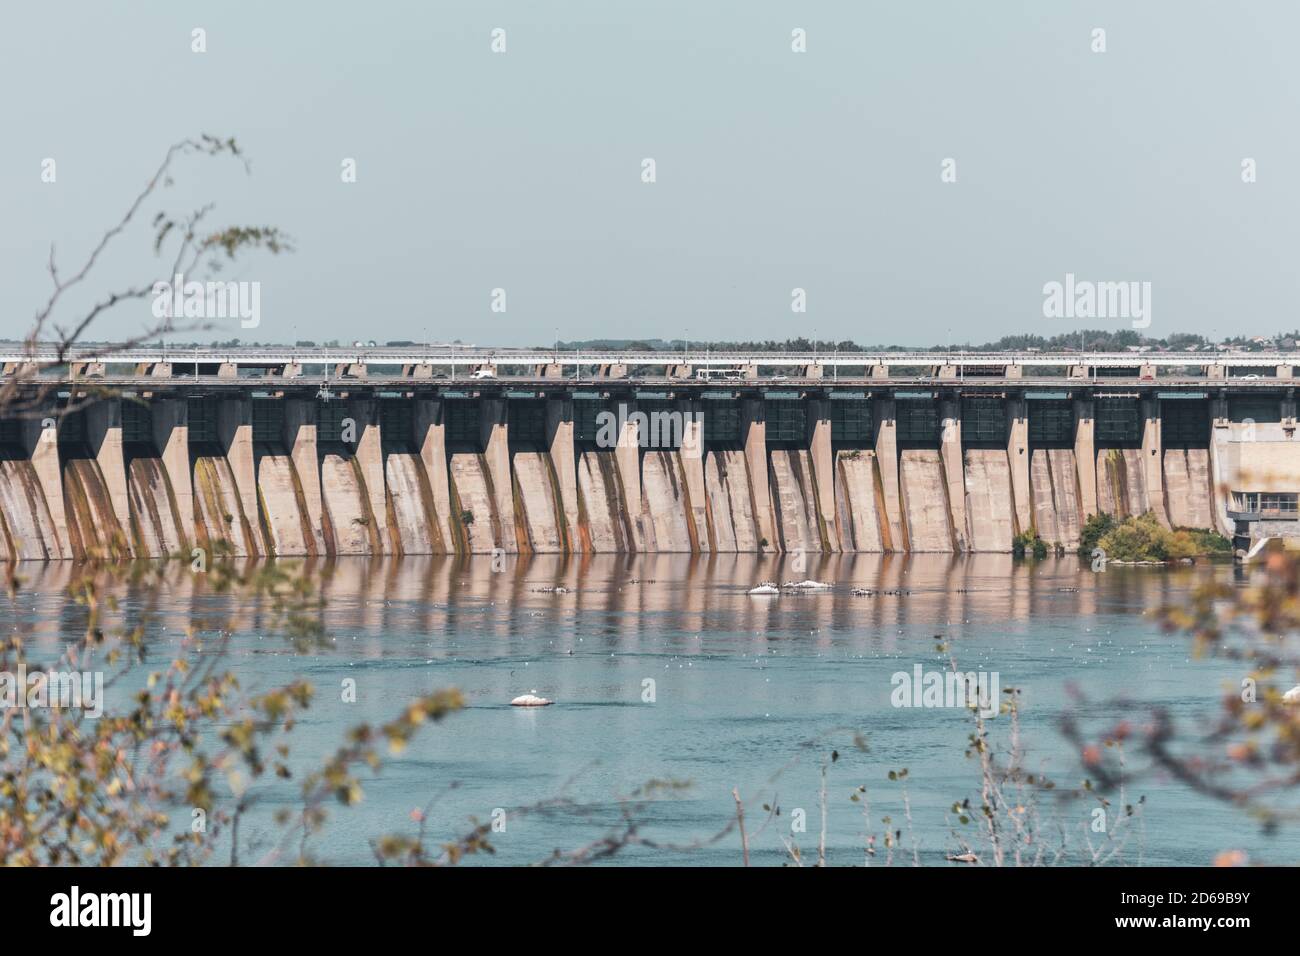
665,668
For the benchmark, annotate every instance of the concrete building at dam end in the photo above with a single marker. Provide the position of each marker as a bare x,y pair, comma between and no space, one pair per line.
268,455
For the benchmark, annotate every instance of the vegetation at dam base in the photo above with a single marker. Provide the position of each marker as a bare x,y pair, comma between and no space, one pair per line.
1028,542
1139,539
1143,539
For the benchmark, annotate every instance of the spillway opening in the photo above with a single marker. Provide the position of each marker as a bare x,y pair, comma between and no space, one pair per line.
721,422
1185,423
463,426
526,424
853,426
1117,423
397,425
1051,422
787,422
916,423
983,423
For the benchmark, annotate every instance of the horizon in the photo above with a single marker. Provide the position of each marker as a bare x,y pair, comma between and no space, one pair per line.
1176,341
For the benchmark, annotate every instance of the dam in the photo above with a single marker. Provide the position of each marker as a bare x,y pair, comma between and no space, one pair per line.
402,451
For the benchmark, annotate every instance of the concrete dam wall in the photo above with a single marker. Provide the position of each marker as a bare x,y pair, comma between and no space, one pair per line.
729,504
859,503
794,501
666,502
285,526
1054,488
301,476
220,522
29,532
539,517
156,527
990,503
91,520
927,512
605,521
410,503
1189,492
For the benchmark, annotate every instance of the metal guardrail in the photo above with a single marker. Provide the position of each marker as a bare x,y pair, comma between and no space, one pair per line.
448,355
1114,387
1272,514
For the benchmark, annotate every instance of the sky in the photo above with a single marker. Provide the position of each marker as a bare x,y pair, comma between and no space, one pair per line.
774,170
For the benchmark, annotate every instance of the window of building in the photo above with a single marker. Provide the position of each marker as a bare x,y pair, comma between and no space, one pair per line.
1268,504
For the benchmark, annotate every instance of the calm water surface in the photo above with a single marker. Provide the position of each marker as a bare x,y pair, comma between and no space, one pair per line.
749,692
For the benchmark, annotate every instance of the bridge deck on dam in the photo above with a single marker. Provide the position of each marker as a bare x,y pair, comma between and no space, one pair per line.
263,460
688,366
501,383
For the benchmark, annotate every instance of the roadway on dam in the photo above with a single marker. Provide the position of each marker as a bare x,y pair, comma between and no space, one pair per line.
180,380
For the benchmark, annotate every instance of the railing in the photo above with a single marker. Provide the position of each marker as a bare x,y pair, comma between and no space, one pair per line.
1263,505
1264,514
460,355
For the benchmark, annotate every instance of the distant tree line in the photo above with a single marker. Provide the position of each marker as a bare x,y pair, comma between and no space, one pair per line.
1089,340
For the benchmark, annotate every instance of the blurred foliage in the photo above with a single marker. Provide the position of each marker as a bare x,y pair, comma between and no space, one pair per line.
1248,756
125,788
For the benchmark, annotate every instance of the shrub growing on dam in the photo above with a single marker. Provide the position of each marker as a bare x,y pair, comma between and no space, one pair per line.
1208,542
1094,529
1144,538
1028,542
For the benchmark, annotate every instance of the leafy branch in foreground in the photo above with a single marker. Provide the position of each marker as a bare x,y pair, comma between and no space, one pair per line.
1019,815
189,247
127,786
1249,756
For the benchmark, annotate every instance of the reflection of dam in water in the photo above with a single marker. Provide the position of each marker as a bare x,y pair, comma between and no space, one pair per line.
742,682
830,470
631,594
